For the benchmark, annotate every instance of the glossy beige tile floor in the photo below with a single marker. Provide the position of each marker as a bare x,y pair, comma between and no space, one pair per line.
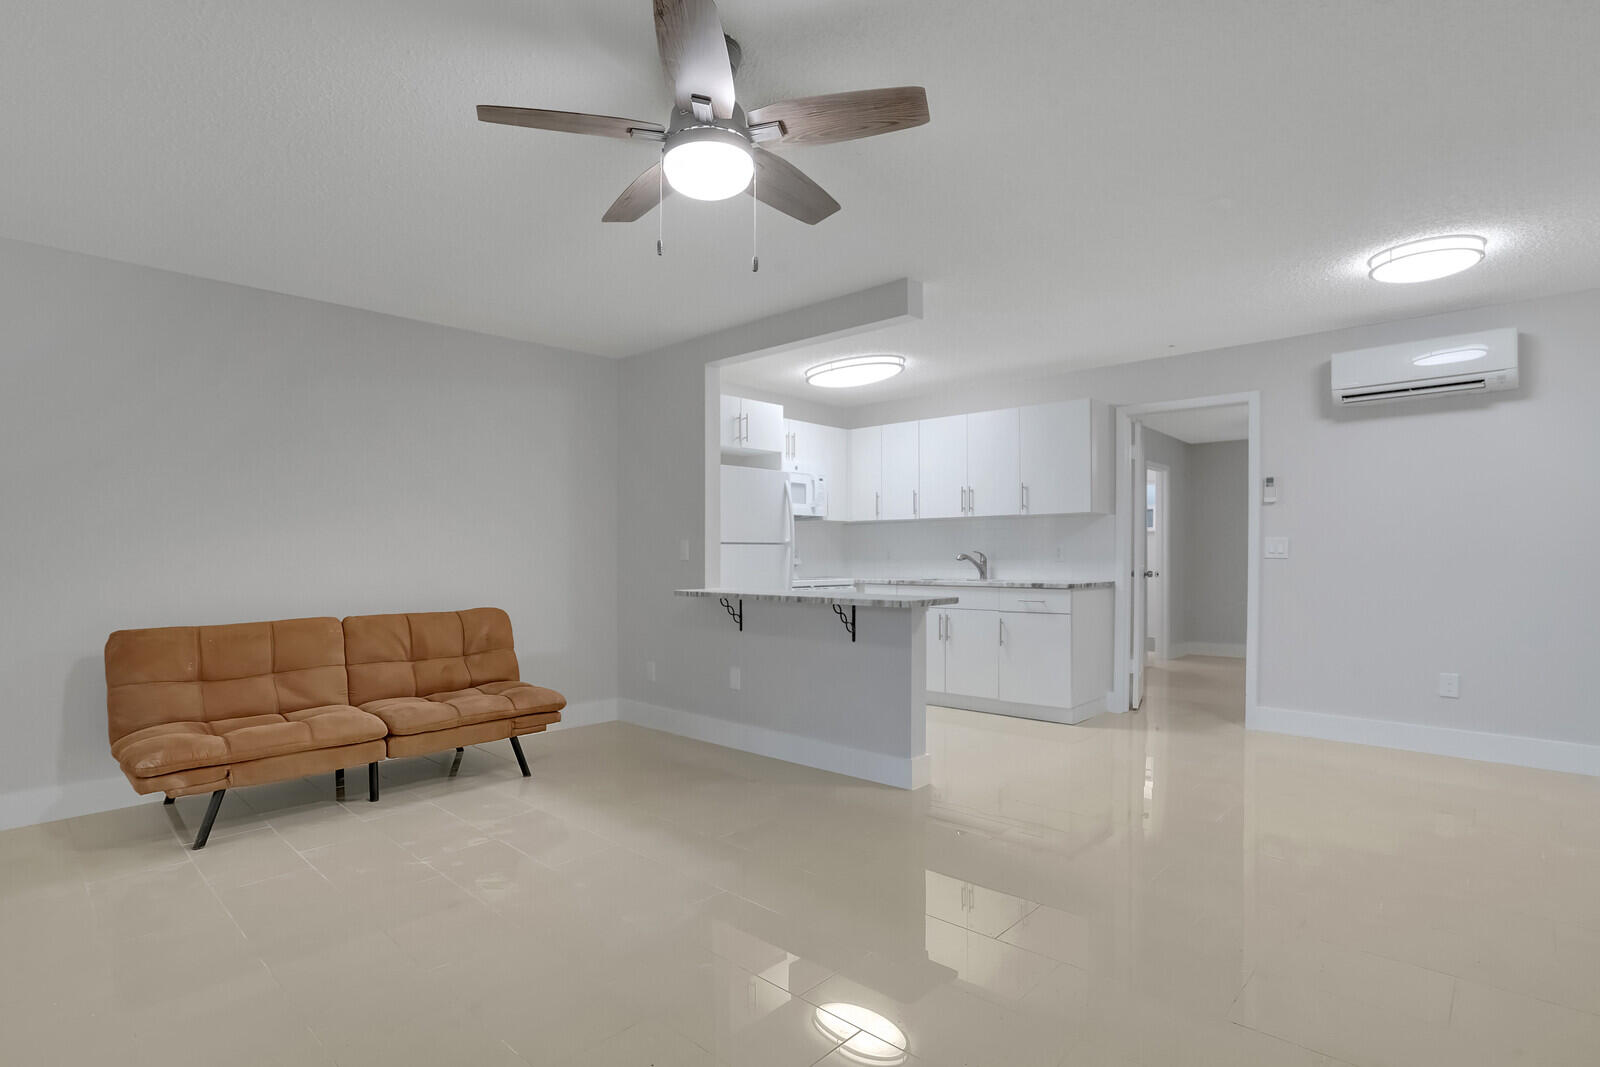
1158,888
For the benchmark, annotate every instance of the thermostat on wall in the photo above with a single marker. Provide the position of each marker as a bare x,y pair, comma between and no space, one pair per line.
1269,490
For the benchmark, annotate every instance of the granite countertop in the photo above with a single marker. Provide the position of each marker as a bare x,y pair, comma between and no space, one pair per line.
975,583
801,596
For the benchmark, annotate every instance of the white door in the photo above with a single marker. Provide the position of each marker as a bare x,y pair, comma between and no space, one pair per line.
1157,533
1055,458
866,474
935,628
900,474
942,467
972,652
994,477
1136,686
1036,658
763,426
732,433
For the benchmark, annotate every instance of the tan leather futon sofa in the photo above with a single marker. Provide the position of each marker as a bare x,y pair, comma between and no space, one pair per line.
198,709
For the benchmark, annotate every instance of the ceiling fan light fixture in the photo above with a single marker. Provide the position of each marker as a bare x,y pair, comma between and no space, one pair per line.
708,163
853,371
1427,259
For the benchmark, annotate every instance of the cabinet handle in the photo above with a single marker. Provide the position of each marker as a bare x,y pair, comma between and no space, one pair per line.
914,510
1002,631
1027,498
972,500
877,505
1022,498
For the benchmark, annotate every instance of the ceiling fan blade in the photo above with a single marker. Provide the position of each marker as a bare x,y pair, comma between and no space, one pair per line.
781,185
637,199
565,121
695,53
846,116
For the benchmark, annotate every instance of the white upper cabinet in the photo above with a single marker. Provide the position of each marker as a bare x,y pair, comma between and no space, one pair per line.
810,448
866,474
1066,458
751,426
994,478
942,462
901,488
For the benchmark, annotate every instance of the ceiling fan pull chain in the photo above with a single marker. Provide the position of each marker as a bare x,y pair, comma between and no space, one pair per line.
755,260
661,203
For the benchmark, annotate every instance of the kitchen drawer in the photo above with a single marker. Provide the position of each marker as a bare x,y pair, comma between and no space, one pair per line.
1039,601
972,598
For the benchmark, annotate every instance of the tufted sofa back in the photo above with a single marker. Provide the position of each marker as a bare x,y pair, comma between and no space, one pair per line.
420,654
207,673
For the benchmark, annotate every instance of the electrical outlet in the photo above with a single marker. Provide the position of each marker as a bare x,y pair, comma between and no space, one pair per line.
683,550
650,670
1450,685
733,678
1277,547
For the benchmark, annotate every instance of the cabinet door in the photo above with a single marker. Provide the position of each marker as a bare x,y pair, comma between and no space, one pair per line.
791,444
900,488
1036,658
972,653
732,434
763,426
1056,458
866,474
831,449
935,627
942,467
994,477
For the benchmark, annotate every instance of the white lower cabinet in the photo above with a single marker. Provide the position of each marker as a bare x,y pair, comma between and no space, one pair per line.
971,666
1035,658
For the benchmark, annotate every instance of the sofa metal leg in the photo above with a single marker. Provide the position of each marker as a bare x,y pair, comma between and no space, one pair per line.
372,782
338,781
170,800
211,817
522,761
459,751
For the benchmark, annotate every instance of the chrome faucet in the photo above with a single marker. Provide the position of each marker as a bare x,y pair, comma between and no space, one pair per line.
978,560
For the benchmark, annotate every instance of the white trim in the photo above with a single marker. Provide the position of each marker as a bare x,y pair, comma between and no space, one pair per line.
1163,635
1042,712
903,772
588,713
1570,756
1207,648
1124,511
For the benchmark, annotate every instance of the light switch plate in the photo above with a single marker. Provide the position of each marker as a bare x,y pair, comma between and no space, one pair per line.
1277,547
683,550
1450,685
733,678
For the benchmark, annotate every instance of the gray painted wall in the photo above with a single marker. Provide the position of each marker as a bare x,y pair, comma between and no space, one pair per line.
1214,544
177,451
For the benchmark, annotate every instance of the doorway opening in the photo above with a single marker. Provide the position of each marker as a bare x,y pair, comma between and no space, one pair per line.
1188,521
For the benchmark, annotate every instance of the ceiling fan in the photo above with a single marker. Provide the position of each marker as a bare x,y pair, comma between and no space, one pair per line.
711,148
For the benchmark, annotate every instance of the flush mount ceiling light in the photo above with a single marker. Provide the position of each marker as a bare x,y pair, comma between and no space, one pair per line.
708,163
1427,259
868,1037
1439,357
853,371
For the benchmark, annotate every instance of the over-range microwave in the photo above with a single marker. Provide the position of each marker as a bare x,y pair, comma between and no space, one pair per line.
808,494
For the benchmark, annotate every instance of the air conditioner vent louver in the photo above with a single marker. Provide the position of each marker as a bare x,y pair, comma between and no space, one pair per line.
1472,363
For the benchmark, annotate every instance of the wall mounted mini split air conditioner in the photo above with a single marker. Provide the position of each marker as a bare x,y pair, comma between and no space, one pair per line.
1470,363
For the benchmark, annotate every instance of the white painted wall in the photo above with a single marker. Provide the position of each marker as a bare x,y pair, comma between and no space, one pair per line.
1215,547
1425,537
178,451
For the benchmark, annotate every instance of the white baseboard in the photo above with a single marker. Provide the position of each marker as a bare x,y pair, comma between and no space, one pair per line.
588,713
1206,648
49,803
903,772
1570,756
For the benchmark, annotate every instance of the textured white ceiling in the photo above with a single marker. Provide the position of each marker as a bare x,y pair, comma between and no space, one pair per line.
1101,181
1202,426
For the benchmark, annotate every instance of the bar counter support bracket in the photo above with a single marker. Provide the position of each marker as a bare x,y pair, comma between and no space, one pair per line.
736,616
848,620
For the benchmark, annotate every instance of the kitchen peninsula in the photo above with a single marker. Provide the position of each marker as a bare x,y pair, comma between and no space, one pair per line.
834,678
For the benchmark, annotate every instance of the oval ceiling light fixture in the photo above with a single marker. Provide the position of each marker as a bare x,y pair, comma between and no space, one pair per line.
708,163
853,371
1427,259
1440,357
868,1037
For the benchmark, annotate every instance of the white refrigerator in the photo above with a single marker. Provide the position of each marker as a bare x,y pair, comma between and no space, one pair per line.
757,530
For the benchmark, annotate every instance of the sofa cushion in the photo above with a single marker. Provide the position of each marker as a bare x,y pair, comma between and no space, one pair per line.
464,707
427,653
175,746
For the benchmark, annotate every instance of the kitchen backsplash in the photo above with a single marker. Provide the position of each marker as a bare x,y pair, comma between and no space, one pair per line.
1026,546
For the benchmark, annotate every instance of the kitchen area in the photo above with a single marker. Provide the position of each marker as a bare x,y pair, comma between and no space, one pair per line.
994,528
